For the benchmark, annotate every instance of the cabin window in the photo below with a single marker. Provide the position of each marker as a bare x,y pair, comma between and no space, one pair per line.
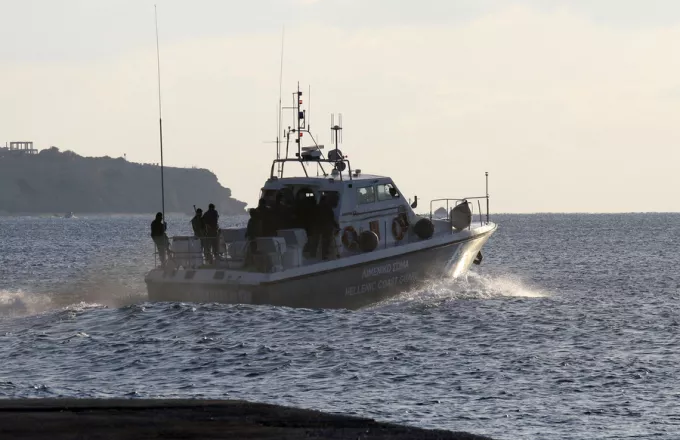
365,195
386,191
305,193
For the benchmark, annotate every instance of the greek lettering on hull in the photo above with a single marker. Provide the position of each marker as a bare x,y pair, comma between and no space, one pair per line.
384,269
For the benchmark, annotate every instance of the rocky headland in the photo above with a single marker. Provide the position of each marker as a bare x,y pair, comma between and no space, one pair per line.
58,182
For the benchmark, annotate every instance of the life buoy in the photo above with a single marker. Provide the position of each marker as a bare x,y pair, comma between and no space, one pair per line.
399,227
350,238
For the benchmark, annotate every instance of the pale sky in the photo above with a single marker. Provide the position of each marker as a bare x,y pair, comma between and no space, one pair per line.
572,106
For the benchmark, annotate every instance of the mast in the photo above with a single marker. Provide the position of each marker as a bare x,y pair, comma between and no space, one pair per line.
298,127
298,101
336,133
160,113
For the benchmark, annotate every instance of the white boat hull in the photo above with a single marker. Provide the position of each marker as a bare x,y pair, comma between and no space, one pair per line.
350,283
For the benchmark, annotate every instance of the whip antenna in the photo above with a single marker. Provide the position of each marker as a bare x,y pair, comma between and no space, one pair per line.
278,125
160,113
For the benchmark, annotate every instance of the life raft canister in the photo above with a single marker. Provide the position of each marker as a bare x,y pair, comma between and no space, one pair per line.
424,228
461,216
399,227
350,238
368,241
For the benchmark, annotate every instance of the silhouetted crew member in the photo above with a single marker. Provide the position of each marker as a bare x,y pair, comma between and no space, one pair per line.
254,228
158,227
282,213
268,219
308,214
210,219
253,231
198,226
326,224
290,212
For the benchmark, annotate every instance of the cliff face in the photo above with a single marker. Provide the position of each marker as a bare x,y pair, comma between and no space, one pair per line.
58,182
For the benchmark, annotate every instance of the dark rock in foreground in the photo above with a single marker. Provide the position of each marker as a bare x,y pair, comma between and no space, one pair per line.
58,419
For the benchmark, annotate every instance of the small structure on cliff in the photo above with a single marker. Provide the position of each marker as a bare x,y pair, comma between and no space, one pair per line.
20,148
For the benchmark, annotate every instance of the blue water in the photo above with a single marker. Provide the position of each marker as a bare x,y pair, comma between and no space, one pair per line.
569,330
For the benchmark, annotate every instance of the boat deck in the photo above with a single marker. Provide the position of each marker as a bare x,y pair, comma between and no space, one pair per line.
226,261
236,269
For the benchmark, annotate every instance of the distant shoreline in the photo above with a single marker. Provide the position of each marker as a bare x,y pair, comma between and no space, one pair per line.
245,213
103,214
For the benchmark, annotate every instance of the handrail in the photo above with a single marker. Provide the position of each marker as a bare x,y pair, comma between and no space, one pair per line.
226,257
178,255
464,199
303,162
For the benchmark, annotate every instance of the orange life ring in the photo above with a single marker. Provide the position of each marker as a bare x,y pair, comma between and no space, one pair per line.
350,238
399,227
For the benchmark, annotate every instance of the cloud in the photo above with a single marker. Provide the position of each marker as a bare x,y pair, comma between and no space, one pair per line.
566,114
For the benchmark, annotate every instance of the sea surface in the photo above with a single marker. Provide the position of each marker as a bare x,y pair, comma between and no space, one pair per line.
568,330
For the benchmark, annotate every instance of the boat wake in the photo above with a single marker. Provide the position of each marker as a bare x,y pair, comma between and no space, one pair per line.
20,303
472,286
493,286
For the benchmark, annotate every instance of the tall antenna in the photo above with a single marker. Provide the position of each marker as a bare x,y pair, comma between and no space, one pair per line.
160,113
486,175
278,125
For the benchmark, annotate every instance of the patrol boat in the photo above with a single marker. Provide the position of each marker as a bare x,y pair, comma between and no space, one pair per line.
382,247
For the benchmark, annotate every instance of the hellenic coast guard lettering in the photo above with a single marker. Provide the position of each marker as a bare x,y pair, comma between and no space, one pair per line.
384,269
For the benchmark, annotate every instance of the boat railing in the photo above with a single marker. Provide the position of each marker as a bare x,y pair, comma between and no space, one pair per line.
229,254
453,202
277,173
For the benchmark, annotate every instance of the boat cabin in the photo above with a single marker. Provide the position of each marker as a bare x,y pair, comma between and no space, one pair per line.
360,203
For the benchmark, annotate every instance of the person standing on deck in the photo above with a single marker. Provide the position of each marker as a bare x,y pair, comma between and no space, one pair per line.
282,214
268,218
210,219
308,215
326,224
158,228
253,231
198,226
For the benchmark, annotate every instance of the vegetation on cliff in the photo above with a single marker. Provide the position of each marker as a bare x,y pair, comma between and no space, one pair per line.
57,182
